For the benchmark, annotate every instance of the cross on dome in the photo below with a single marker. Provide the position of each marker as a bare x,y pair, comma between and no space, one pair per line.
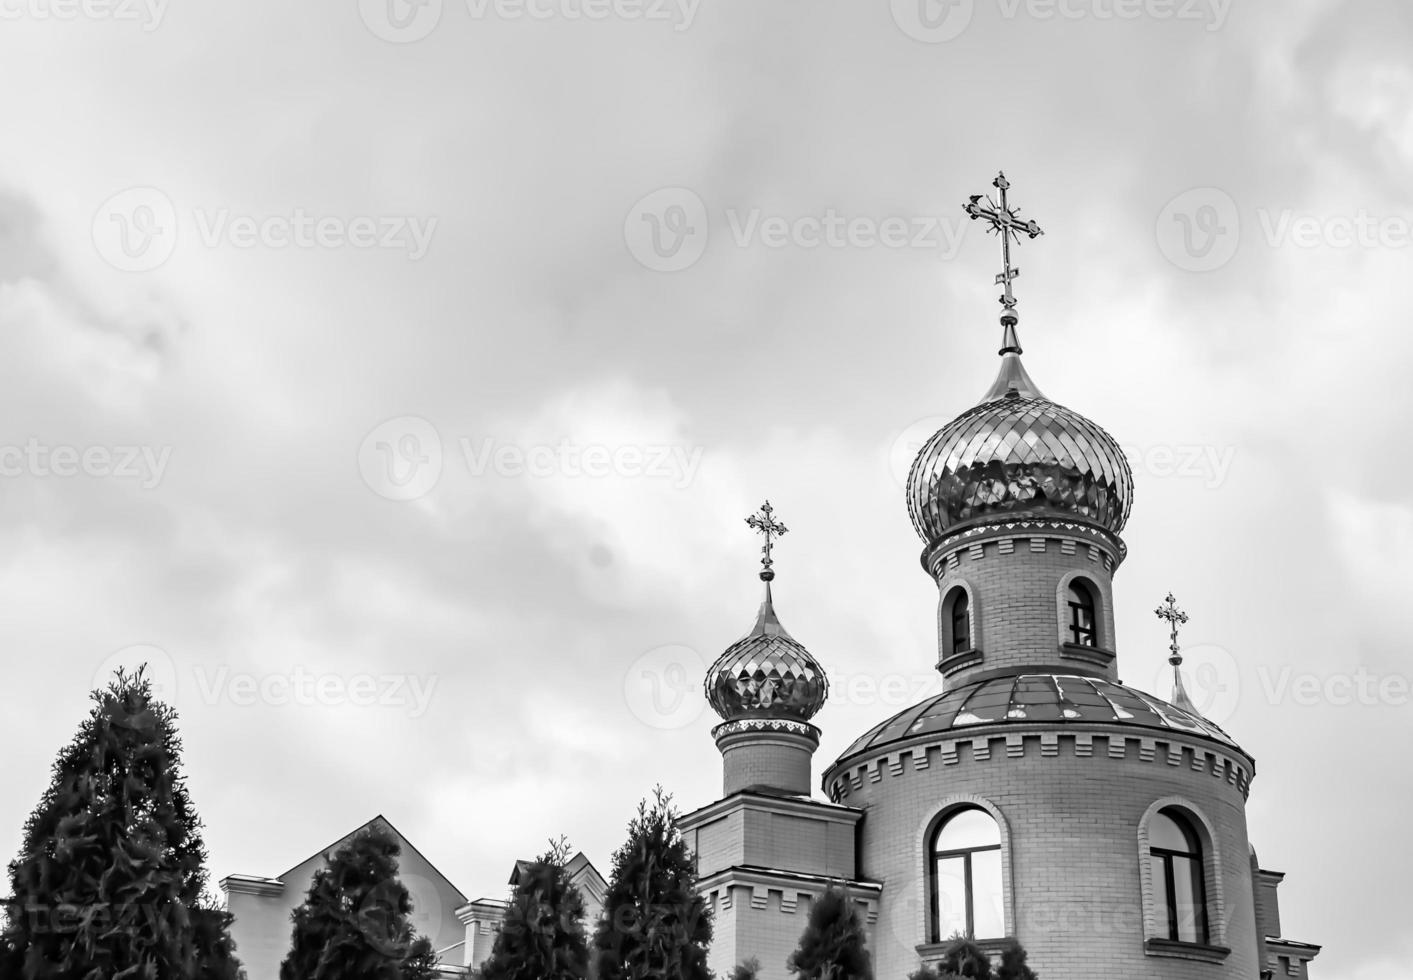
764,522
1005,221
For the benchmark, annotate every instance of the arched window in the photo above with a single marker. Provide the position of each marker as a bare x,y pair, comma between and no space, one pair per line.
961,621
1179,892
1083,631
967,898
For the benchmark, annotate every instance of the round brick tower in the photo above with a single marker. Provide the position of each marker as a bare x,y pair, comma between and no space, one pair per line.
1038,798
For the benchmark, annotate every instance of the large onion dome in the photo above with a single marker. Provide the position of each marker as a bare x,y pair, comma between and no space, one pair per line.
1018,455
766,674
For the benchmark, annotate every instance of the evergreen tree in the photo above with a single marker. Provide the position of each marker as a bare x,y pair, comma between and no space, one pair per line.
215,952
965,959
832,947
1013,965
354,923
542,936
654,926
747,970
110,876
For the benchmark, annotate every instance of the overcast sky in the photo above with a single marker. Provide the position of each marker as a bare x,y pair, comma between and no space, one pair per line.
396,381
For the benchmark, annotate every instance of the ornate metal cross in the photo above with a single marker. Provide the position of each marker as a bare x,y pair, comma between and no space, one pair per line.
765,523
1005,221
1175,617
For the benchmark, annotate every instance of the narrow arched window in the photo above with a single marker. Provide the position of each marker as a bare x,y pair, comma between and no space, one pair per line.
1082,629
1175,853
961,622
967,898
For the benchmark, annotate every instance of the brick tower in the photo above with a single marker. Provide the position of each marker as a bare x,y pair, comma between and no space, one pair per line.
766,850
1038,798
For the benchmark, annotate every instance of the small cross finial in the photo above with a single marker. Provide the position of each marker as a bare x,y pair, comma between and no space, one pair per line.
764,522
1006,222
1175,617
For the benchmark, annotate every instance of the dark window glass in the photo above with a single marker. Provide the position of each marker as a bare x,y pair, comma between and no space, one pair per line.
961,622
1082,631
1175,853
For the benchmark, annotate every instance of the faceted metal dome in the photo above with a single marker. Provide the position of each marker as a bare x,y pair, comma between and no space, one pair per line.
1047,698
766,674
1018,454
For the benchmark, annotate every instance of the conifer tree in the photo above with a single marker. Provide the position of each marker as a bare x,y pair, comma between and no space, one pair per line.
354,922
1013,964
111,872
654,925
542,935
965,959
832,947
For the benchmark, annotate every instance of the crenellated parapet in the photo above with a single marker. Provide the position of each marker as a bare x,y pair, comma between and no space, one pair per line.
1221,764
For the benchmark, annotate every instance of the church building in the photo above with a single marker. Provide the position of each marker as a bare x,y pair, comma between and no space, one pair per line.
1037,799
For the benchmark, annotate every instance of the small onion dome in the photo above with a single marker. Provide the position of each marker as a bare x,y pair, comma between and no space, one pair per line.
1018,454
766,674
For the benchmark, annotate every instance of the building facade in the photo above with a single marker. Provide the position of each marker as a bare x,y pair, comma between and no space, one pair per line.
1038,798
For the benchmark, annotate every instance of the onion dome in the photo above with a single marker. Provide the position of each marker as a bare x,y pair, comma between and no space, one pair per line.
1049,699
1018,455
766,674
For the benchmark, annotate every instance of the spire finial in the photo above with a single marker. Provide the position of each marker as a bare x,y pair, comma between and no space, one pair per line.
1006,222
1175,618
764,522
